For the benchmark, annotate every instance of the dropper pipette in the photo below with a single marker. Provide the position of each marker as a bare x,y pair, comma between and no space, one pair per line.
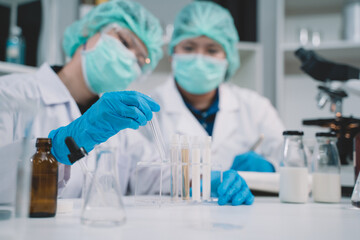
77,155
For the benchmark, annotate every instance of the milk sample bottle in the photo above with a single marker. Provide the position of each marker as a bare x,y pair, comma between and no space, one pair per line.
293,169
326,169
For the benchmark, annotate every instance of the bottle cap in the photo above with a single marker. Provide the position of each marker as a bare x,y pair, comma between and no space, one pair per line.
43,142
291,132
15,30
325,134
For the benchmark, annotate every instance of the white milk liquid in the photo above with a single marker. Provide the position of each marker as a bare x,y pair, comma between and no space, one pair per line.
293,184
326,187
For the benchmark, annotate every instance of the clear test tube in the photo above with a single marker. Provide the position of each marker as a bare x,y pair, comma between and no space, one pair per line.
159,141
206,166
175,163
195,164
185,161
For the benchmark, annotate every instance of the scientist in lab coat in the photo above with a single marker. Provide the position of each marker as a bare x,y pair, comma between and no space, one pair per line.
113,45
199,100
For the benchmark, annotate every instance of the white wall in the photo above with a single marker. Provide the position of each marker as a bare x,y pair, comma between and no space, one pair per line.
56,16
267,37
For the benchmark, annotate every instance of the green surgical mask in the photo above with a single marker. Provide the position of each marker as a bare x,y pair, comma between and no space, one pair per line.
110,66
198,74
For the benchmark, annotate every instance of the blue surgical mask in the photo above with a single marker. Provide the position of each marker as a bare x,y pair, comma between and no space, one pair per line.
198,74
110,66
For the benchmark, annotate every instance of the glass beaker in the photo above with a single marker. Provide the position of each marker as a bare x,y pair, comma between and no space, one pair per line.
15,170
326,169
103,204
293,169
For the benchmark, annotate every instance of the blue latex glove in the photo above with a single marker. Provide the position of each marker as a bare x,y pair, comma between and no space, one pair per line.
251,161
232,189
113,112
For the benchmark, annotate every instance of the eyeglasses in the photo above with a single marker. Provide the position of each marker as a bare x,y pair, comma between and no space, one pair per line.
133,43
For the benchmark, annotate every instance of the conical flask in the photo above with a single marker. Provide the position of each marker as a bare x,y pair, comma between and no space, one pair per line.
103,204
355,197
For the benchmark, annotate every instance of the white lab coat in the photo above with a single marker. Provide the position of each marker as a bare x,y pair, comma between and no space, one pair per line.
58,109
242,117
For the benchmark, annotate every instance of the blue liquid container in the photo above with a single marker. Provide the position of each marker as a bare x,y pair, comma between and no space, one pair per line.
15,47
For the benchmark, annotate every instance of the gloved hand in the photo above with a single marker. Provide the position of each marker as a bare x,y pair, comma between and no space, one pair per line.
252,161
232,189
113,112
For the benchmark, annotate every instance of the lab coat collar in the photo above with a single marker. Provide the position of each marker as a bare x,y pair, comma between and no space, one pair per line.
227,100
225,121
52,89
173,102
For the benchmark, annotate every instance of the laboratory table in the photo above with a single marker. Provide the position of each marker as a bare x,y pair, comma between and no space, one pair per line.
267,218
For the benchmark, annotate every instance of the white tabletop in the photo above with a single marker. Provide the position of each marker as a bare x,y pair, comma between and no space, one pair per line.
267,218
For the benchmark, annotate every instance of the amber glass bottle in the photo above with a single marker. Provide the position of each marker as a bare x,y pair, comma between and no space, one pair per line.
44,180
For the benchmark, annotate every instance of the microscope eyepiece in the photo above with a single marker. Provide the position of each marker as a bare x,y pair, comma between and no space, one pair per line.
323,70
303,54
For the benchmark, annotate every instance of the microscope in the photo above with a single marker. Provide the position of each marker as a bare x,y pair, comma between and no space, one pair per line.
328,74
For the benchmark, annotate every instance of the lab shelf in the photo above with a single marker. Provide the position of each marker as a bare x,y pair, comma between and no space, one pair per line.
338,45
11,2
7,68
295,7
294,89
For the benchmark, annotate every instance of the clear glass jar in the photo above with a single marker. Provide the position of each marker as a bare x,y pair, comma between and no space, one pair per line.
326,169
293,169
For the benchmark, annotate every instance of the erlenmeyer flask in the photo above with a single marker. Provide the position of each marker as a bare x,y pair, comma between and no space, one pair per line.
103,204
355,197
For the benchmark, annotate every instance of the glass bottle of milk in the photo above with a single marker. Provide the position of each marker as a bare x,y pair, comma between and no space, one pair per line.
326,169
293,169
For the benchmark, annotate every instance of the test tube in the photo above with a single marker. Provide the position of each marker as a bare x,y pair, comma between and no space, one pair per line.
206,159
185,159
174,161
195,159
154,126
